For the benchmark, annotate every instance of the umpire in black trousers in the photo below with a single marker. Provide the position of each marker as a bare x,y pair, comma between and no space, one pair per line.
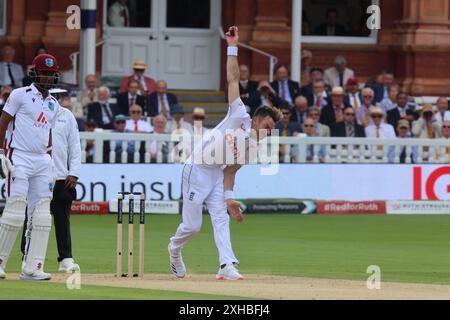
66,155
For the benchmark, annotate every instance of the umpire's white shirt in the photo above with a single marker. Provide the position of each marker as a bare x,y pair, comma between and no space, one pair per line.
66,151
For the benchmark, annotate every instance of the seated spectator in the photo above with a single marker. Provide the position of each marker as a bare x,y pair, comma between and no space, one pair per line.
136,124
285,88
443,113
90,127
120,127
381,90
320,98
426,127
353,96
404,132
316,74
147,84
445,134
265,95
309,129
334,113
348,128
286,126
177,124
331,27
86,96
4,95
378,128
401,110
246,86
161,101
363,117
390,103
307,59
65,101
321,129
102,112
299,112
159,127
127,99
338,75
11,74
118,14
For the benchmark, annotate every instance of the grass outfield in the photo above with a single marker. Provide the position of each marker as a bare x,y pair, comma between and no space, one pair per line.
406,248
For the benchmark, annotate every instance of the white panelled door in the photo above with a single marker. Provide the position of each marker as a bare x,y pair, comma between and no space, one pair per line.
178,39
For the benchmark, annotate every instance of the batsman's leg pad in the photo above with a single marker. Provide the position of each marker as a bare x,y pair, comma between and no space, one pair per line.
10,224
40,230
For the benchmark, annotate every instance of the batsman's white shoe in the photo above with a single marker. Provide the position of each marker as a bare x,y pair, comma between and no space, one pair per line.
2,273
68,265
177,265
36,276
229,272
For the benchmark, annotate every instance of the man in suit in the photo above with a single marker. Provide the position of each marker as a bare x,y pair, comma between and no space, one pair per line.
102,112
338,75
161,101
286,89
321,129
348,128
127,99
315,74
11,74
299,112
264,96
381,90
353,96
331,27
319,98
401,111
334,113
148,85
246,86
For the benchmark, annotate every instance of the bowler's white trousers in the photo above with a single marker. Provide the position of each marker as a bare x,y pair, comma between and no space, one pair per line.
204,185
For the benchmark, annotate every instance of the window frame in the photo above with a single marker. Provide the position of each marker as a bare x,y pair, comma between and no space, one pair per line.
5,15
372,39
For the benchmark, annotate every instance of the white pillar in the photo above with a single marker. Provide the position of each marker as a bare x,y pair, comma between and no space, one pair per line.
87,39
296,59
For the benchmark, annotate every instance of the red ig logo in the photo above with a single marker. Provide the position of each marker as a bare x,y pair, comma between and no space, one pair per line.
429,183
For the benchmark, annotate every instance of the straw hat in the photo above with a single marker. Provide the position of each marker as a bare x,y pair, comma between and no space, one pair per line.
139,64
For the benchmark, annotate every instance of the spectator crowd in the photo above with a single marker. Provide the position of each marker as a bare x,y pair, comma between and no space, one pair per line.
325,103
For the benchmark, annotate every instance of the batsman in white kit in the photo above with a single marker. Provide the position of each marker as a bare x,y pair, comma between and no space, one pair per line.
26,165
213,184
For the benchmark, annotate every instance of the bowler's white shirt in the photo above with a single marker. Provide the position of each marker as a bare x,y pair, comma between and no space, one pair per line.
66,151
236,121
386,131
34,116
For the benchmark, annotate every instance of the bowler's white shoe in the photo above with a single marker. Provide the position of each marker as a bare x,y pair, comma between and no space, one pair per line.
36,276
68,265
2,273
177,265
229,272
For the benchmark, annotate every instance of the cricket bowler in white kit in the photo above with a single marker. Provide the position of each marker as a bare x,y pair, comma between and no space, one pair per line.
213,184
25,126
